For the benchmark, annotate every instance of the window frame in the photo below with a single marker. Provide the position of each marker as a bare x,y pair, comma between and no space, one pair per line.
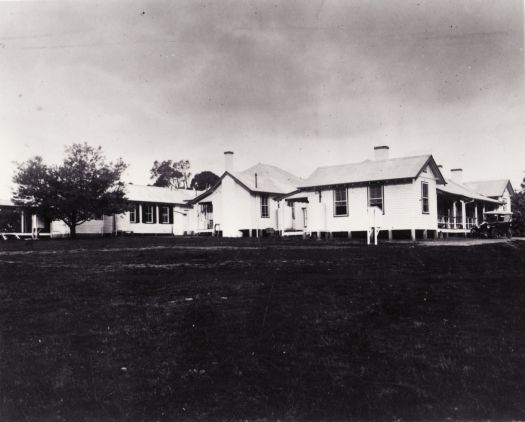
135,213
161,215
336,201
370,199
265,206
425,201
145,213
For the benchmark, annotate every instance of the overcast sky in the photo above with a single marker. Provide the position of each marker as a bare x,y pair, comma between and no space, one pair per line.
294,84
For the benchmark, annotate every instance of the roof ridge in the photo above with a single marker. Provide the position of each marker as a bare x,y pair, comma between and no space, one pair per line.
374,161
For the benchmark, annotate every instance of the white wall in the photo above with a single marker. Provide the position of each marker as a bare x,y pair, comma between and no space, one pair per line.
123,224
401,203
236,209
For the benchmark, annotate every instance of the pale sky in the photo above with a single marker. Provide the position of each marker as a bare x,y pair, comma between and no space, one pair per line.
297,84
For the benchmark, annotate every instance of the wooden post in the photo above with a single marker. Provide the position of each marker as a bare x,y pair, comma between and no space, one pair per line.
476,214
425,234
453,215
349,234
390,235
413,234
22,222
463,215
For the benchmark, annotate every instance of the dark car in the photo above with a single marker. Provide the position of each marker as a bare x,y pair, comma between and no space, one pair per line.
495,224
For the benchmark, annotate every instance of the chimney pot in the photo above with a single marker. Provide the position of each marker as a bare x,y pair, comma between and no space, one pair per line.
381,152
228,161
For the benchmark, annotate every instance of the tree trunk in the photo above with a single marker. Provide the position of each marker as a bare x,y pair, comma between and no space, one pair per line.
73,231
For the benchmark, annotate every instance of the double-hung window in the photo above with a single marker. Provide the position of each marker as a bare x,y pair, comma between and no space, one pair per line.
134,214
340,202
424,198
264,206
148,211
164,214
375,196
292,206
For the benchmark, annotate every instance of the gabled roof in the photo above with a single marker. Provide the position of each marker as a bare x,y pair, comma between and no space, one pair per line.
372,171
493,188
141,193
270,179
458,189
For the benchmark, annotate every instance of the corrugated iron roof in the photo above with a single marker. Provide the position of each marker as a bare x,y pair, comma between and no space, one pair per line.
142,193
490,187
270,179
458,189
370,171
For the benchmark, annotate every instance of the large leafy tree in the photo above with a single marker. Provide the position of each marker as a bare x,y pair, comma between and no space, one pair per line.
171,174
82,186
204,180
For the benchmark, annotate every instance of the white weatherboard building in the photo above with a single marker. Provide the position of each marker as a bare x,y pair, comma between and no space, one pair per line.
398,193
242,203
153,210
395,197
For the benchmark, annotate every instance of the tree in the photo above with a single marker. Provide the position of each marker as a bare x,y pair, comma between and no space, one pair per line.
204,180
171,174
165,173
83,186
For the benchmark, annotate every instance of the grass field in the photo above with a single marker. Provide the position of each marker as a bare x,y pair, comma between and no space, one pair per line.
146,329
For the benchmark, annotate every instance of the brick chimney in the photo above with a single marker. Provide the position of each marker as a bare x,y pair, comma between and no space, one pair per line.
228,161
456,175
381,152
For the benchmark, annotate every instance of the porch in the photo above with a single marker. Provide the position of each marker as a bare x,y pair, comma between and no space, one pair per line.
460,210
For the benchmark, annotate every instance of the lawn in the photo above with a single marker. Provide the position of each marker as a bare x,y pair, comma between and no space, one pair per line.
146,329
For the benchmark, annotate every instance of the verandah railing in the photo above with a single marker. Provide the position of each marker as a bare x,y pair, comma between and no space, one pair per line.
445,222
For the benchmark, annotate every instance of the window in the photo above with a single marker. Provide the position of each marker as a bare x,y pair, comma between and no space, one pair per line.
424,198
264,206
340,202
165,214
134,214
148,216
375,196
292,206
206,211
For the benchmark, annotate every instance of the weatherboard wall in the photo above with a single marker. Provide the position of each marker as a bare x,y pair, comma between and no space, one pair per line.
402,207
